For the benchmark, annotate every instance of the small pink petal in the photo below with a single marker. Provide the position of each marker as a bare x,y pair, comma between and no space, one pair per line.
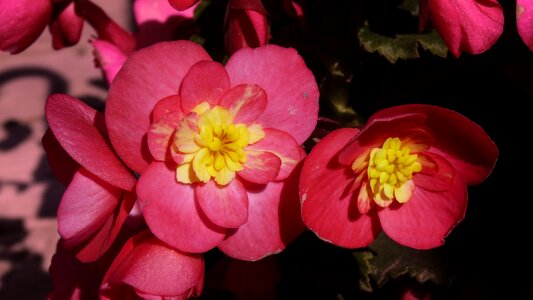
85,206
182,4
165,106
148,76
524,21
74,124
226,206
206,81
290,86
471,26
439,177
109,58
23,21
161,134
283,146
246,101
153,268
327,209
427,218
245,25
273,221
260,167
98,245
171,212
66,27
62,165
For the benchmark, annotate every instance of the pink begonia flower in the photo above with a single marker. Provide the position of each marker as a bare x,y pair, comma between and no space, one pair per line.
148,268
100,193
406,172
156,21
215,146
524,21
471,26
245,25
182,4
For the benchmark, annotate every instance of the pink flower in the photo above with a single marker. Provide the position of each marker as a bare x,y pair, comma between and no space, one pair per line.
100,188
471,26
147,268
524,21
405,172
246,25
215,146
182,4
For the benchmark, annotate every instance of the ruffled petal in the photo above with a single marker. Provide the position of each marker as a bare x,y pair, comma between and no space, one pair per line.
261,167
245,101
437,173
78,127
167,105
273,221
328,209
427,218
171,212
148,75
161,134
290,87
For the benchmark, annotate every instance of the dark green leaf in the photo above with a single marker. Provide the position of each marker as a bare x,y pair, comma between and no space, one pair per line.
364,261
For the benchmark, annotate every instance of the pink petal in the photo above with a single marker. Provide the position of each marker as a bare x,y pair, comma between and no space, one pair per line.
76,126
206,81
290,87
98,245
246,25
427,218
327,208
22,23
86,204
158,21
153,268
273,221
462,142
437,173
109,58
524,21
261,167
182,4
245,101
66,28
471,26
161,134
225,206
283,146
148,75
170,211
165,106
62,165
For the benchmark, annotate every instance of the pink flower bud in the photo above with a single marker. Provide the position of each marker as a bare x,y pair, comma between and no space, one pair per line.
246,25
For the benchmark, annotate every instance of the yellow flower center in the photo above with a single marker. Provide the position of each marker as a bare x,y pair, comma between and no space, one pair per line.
215,147
390,170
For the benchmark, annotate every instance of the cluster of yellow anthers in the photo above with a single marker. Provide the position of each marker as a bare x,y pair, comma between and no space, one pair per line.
213,147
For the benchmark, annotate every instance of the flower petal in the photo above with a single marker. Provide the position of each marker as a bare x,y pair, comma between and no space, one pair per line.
151,267
290,87
62,165
78,128
170,211
109,58
22,23
148,75
166,106
327,209
160,136
261,167
86,205
225,206
524,21
462,142
182,4
273,221
283,146
245,101
427,218
66,27
472,26
206,81
437,173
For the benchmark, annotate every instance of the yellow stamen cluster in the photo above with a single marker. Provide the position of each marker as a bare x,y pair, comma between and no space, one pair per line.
390,169
214,149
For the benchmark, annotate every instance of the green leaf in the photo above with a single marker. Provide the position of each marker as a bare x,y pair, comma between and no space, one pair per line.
401,46
364,261
392,260
410,6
